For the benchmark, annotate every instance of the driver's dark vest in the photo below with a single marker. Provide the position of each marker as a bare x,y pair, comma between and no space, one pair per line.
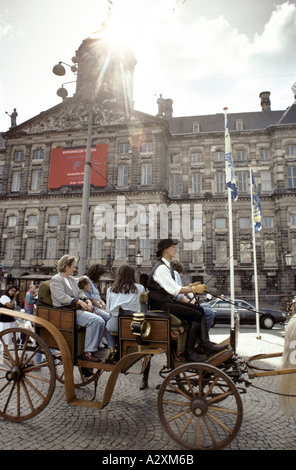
156,292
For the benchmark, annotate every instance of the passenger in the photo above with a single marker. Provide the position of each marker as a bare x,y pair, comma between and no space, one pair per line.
8,300
30,299
209,312
94,273
162,290
65,293
125,294
84,284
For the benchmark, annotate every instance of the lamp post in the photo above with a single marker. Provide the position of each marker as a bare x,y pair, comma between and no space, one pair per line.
60,70
289,259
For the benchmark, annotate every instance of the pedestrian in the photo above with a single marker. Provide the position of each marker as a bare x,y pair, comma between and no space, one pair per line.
8,300
30,299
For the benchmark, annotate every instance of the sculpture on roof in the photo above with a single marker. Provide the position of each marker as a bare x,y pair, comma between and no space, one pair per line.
13,117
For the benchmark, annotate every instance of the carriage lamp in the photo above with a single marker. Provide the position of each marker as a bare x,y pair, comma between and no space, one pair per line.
139,326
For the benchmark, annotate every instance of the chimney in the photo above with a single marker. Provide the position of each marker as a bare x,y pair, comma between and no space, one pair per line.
265,101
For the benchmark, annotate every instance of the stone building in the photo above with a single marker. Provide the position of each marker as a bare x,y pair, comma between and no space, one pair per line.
152,175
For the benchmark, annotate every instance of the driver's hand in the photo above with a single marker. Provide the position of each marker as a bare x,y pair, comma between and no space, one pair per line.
199,289
195,284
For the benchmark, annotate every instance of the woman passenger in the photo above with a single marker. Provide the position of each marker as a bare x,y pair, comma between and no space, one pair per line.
125,294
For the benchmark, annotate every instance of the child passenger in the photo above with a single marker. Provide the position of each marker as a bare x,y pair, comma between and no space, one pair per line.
84,284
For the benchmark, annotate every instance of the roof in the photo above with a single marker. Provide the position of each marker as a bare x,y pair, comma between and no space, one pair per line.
289,116
215,122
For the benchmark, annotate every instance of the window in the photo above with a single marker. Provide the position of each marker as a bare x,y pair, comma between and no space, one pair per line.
241,155
19,156
195,127
145,248
265,180
9,249
53,220
1,170
73,245
221,251
290,150
244,222
146,174
51,248
264,154
219,182
293,220
269,251
245,252
30,249
36,180
16,181
11,221
122,177
175,184
32,220
120,248
291,172
239,125
38,154
242,181
75,219
147,147
196,157
219,157
124,149
196,183
96,248
220,222
175,158
268,222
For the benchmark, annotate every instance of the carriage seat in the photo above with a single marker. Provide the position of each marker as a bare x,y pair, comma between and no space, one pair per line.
62,318
178,327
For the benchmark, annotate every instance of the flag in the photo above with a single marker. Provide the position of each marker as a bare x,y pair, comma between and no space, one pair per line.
229,171
256,205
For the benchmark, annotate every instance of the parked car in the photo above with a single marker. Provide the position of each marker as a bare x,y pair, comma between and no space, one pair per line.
247,313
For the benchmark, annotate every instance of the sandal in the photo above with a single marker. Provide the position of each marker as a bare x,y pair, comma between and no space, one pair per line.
111,357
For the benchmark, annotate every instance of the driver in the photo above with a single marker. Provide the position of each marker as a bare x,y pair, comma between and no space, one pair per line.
163,290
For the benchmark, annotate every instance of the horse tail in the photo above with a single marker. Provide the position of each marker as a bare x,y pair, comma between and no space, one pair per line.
287,385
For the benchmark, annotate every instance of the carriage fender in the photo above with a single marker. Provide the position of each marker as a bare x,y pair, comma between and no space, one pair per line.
61,342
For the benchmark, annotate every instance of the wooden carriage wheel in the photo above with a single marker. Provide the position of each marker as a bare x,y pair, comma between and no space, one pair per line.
25,387
200,407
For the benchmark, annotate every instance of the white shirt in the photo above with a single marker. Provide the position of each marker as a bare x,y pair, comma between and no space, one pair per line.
130,301
5,299
162,275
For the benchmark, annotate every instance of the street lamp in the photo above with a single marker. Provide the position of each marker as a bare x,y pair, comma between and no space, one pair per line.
288,259
60,70
139,259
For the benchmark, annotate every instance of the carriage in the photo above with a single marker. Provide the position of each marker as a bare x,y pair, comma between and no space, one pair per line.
199,404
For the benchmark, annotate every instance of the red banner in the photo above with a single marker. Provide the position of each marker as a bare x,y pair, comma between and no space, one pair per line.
67,166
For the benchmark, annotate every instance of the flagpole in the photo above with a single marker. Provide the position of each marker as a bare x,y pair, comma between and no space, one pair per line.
231,261
255,259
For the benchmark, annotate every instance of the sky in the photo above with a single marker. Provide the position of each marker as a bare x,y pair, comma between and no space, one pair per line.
203,54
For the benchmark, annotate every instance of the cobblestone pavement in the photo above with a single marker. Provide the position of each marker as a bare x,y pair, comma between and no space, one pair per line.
130,421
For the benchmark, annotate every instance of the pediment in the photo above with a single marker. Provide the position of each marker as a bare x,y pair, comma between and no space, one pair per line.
73,114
